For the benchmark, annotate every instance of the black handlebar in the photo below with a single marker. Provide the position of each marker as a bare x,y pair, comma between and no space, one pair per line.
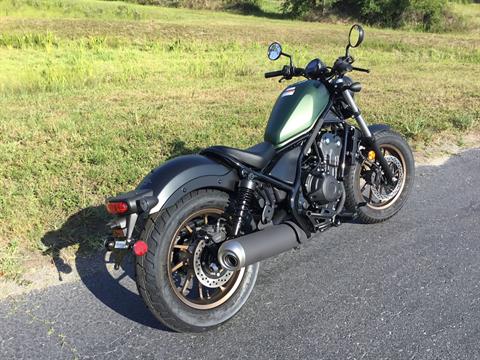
273,74
342,66
287,72
298,71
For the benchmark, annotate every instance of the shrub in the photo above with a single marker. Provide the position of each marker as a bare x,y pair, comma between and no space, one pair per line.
297,8
192,4
427,15
243,6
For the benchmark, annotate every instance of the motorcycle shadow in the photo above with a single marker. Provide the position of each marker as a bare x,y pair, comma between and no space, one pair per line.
114,288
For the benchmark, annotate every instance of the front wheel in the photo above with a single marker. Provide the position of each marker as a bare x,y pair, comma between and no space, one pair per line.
180,278
366,185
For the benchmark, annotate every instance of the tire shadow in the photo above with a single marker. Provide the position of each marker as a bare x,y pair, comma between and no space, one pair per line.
115,288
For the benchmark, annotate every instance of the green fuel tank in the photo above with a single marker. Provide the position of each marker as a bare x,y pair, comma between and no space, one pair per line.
295,111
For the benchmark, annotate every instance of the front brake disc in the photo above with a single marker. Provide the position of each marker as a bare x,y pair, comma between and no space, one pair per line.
392,193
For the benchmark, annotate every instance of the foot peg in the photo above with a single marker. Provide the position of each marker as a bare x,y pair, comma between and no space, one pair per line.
347,216
362,204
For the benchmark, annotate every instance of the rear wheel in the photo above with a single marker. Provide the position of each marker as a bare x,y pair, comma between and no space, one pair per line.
180,278
365,183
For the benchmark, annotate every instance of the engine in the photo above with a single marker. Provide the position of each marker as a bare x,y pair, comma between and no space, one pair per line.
321,184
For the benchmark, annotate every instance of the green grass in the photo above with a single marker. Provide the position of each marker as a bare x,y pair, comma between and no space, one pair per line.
470,14
94,94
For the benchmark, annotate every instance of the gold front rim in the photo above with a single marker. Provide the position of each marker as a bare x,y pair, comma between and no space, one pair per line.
181,273
387,149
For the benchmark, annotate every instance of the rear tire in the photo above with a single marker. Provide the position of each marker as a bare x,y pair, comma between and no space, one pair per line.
396,147
157,280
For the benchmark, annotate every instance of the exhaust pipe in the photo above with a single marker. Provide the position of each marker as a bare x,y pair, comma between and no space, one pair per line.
251,248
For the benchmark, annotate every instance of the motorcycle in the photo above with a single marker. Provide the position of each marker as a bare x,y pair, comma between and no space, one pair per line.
206,220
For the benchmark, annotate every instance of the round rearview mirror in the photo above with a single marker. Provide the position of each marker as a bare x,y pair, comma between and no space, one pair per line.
274,51
356,35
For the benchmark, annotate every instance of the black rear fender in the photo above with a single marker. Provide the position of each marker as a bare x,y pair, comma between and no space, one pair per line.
165,185
181,175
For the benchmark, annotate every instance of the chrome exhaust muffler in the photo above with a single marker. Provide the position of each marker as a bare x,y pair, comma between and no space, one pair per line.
248,249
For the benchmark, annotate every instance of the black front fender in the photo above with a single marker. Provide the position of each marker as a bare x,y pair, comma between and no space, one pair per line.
376,128
181,175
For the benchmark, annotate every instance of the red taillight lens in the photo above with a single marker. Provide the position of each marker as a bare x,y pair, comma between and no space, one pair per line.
140,248
117,208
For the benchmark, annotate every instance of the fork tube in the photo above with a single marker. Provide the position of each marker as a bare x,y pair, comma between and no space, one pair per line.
356,114
370,139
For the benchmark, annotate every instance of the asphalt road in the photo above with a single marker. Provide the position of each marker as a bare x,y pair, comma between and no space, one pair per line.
405,289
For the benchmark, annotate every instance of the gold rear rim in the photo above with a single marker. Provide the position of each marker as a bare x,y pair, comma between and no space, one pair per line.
189,257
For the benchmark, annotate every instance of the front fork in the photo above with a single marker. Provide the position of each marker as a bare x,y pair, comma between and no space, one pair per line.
368,136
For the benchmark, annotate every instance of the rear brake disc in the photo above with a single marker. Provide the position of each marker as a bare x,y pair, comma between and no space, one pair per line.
211,279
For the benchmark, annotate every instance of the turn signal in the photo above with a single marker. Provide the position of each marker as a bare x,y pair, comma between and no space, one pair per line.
117,208
371,155
140,248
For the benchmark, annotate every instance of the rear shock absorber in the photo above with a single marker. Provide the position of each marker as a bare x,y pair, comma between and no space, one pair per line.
245,196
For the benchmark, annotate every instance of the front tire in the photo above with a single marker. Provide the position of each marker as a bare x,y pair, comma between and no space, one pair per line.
364,182
178,288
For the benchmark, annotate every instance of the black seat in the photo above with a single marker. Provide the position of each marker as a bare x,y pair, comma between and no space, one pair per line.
257,156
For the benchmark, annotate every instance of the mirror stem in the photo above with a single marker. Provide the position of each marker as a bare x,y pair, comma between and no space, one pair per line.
347,50
289,57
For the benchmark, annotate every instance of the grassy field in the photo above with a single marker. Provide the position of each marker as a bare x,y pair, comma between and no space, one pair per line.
470,14
93,94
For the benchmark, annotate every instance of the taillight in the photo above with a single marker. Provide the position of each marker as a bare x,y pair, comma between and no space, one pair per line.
117,208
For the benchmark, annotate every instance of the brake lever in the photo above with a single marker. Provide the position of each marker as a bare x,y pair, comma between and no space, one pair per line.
360,69
284,78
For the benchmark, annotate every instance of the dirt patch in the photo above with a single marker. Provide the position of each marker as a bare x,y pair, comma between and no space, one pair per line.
46,273
440,150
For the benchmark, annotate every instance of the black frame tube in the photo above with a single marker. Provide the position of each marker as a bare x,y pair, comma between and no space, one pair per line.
293,191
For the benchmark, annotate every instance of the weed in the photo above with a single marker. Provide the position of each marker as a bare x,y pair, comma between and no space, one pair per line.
463,121
11,261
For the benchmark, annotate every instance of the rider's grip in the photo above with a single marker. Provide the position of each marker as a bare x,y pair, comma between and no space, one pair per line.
273,74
